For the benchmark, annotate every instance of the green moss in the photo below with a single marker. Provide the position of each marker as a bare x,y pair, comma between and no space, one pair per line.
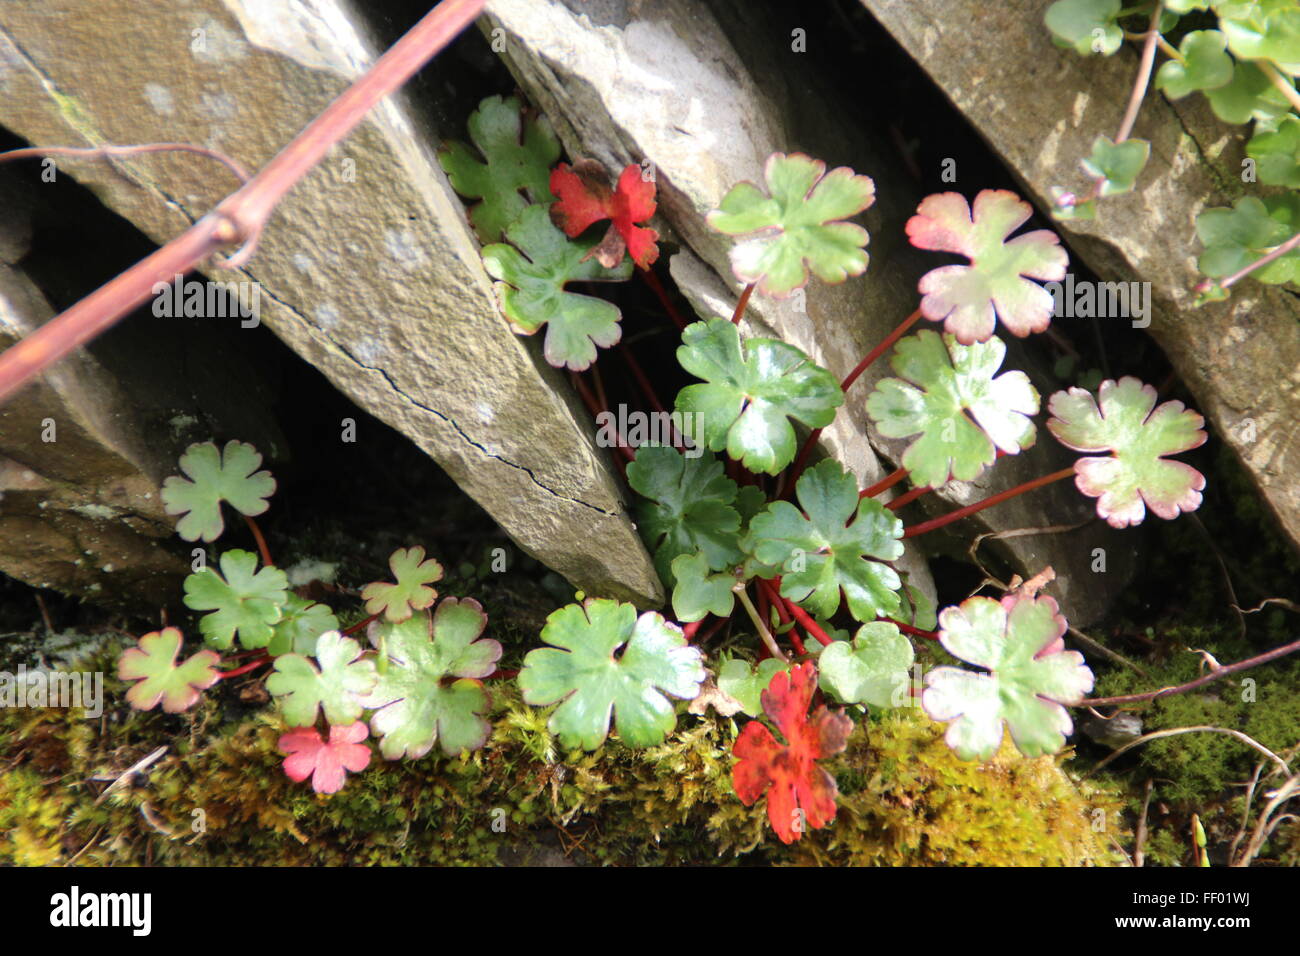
219,797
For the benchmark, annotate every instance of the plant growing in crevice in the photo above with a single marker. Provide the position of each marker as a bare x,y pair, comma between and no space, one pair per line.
797,550
420,681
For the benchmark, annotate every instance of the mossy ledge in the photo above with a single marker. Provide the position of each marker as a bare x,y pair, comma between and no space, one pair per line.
905,799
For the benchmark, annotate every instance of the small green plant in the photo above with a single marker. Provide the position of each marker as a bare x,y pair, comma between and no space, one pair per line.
420,682
1243,56
799,549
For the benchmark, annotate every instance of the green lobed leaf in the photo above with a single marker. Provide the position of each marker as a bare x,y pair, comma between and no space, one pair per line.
746,682
1137,476
1250,95
1263,30
533,272
795,226
948,381
581,672
1089,26
753,390
152,662
228,475
516,166
300,624
1275,147
1019,641
688,508
837,543
336,687
412,574
245,602
1236,237
698,592
1206,65
417,701
1118,165
873,670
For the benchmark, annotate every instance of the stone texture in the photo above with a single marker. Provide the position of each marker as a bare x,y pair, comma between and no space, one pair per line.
1041,107
367,270
704,94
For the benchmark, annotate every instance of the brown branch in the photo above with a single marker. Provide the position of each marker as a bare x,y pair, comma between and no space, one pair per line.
241,216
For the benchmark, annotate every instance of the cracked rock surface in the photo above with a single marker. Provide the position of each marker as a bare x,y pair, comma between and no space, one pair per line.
368,269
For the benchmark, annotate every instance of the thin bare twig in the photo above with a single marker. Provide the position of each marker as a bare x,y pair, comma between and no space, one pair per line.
119,152
138,767
1175,731
1140,836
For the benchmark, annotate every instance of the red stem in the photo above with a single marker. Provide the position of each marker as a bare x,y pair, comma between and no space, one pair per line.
914,631
802,616
960,513
907,498
802,458
767,590
360,624
888,481
261,542
742,304
690,629
657,287
226,675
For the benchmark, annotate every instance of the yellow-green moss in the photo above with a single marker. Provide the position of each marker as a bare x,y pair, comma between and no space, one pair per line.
906,799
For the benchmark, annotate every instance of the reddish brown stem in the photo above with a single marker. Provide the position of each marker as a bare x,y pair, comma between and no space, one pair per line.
360,624
594,407
742,304
242,215
802,616
689,629
112,152
765,588
802,458
238,671
1222,672
261,541
657,287
960,513
907,498
914,631
888,481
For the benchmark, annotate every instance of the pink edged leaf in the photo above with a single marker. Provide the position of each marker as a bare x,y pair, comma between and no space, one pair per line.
326,763
1137,476
797,788
797,225
1019,640
585,197
153,664
970,299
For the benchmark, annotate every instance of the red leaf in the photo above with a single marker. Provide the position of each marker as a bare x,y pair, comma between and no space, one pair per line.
325,763
585,198
796,782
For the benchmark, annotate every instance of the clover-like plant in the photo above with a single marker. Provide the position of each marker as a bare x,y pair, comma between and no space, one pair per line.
533,272
517,152
327,762
246,601
872,669
413,573
580,672
431,691
153,664
584,197
335,687
214,476
752,391
1137,476
798,789
949,396
996,285
797,225
1031,675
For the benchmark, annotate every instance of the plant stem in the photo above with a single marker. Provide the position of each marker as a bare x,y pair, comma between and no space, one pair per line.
1280,81
802,616
742,304
914,631
888,481
1225,671
1144,76
763,632
907,497
261,542
360,624
960,513
111,152
241,216
238,671
778,602
1277,253
652,280
802,458
648,391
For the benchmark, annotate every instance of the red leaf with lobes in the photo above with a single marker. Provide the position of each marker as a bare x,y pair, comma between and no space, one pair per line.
796,782
585,198
325,762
